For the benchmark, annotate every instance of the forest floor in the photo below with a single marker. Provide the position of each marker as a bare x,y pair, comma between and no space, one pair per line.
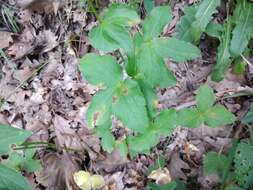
45,93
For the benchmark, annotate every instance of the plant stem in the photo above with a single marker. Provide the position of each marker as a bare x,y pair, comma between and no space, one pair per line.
93,10
31,145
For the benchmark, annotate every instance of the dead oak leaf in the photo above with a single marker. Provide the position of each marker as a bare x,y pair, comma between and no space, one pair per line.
5,39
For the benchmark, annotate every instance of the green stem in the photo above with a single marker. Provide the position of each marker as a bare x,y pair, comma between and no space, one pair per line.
93,10
31,145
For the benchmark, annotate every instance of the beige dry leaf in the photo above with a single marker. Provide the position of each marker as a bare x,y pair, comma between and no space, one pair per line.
161,176
46,6
5,39
57,172
86,181
24,45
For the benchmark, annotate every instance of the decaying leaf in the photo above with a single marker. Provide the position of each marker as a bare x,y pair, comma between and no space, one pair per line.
41,6
86,181
5,39
161,176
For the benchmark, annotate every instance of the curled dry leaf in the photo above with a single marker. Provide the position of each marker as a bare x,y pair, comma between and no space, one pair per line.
5,39
86,181
161,176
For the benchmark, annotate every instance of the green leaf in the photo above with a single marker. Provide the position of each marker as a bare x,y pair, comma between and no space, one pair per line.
100,70
218,116
23,161
242,33
176,49
214,163
169,186
108,141
153,25
113,31
101,40
248,118
150,97
10,136
190,118
121,14
140,144
12,180
100,109
214,30
184,28
204,13
153,68
223,57
244,164
205,98
129,106
149,5
166,122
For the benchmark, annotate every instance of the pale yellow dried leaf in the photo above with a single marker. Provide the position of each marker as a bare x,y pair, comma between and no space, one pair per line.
82,180
161,176
97,181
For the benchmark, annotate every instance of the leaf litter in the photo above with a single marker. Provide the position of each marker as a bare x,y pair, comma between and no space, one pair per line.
53,103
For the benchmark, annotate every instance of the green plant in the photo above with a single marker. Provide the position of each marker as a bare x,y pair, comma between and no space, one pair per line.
234,34
10,176
127,91
206,113
235,170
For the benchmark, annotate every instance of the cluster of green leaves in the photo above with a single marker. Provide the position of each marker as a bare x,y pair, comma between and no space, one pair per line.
205,113
127,91
235,169
234,35
10,176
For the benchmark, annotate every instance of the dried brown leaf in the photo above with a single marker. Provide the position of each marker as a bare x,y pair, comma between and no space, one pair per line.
5,39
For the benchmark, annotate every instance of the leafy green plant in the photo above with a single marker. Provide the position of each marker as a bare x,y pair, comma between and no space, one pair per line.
234,34
235,170
127,91
10,176
206,113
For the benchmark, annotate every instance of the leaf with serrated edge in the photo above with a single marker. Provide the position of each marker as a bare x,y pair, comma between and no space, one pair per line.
190,118
184,28
12,180
121,14
176,49
153,68
9,136
100,70
155,22
166,122
218,116
129,106
205,98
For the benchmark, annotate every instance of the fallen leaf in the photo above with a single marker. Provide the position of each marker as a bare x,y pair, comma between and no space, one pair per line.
5,39
46,6
161,176
86,181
